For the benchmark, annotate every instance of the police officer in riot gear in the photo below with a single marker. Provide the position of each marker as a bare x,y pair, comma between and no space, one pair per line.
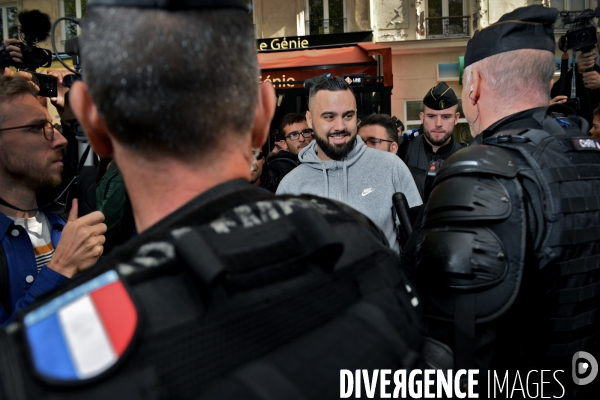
425,153
508,254
227,292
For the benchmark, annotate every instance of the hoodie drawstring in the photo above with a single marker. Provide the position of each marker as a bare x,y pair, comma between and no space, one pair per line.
345,200
326,180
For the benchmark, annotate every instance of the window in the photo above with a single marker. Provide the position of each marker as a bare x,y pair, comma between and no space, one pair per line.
570,5
325,16
73,9
9,23
448,72
412,109
447,18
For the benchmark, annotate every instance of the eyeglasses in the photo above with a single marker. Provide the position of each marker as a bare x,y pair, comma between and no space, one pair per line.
373,140
296,135
45,127
260,155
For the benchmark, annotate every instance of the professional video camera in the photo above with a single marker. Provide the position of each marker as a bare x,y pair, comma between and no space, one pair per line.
582,35
35,28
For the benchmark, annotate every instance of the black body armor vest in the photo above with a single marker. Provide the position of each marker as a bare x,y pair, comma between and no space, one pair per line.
270,300
418,160
509,256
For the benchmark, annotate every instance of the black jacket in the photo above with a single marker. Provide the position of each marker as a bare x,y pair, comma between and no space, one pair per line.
417,154
276,167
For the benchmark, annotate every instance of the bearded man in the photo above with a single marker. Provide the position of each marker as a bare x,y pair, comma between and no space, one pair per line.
436,143
32,260
339,165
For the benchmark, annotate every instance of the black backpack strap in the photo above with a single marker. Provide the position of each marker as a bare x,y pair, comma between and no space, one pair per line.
4,287
304,234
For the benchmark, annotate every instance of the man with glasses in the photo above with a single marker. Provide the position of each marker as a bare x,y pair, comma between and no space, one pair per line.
32,261
296,132
436,143
380,132
295,135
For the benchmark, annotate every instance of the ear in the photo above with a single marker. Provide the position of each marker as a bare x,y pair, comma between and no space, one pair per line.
422,117
475,89
456,118
283,144
394,148
265,109
87,114
309,120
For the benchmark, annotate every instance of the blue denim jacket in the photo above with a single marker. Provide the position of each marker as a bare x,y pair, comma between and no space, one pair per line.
20,260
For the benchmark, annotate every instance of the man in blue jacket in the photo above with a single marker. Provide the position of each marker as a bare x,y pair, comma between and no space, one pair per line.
31,260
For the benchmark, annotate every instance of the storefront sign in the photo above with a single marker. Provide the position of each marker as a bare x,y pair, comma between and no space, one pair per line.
354,80
283,44
312,41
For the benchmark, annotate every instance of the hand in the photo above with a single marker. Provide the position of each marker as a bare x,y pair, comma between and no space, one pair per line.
13,48
63,108
22,74
591,80
586,61
558,100
80,244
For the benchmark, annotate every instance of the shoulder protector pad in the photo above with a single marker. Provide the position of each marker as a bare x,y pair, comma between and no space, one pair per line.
462,259
468,198
480,159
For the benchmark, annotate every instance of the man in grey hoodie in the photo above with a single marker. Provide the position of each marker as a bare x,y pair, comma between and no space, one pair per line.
338,164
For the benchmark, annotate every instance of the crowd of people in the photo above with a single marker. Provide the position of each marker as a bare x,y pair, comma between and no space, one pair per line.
211,271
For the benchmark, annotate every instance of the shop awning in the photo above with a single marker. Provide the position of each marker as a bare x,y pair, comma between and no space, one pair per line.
289,66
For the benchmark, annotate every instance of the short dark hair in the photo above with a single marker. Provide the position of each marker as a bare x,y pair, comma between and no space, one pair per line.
289,119
12,87
177,92
383,120
331,84
596,112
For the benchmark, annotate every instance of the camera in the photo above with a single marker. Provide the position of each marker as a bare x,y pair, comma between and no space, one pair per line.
35,27
582,35
573,103
48,84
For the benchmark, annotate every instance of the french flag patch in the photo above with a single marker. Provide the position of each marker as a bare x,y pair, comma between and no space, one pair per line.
83,332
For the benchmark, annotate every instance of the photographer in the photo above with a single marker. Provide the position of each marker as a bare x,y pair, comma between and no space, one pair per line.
587,85
10,53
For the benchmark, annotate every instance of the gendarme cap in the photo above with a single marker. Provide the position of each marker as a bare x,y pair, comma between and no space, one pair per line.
524,28
171,4
440,97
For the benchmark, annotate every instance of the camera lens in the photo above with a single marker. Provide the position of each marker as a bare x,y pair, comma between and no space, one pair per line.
583,37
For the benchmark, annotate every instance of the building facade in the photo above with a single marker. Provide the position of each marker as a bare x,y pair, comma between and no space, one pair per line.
54,8
300,39
427,38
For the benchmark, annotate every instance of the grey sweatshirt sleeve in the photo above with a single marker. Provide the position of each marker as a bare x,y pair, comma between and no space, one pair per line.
406,184
283,187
